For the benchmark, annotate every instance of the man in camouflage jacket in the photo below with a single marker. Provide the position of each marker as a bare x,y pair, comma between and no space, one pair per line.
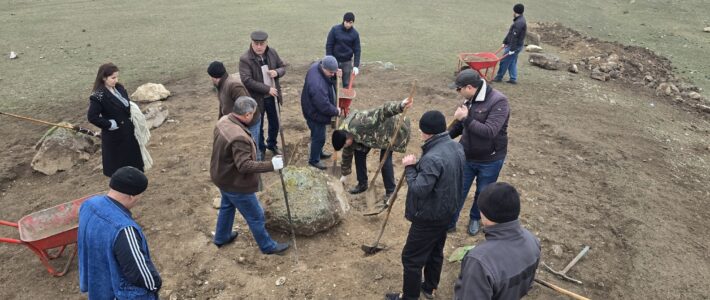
373,128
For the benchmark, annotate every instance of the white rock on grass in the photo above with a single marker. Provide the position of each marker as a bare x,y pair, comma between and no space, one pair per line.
150,92
13,55
706,29
533,48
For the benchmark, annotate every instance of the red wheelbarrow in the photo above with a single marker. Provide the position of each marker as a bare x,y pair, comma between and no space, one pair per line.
346,96
48,229
481,62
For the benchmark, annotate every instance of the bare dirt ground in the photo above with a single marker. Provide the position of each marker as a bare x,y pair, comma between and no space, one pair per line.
610,165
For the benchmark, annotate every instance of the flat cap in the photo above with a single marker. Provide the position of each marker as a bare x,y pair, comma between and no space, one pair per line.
259,36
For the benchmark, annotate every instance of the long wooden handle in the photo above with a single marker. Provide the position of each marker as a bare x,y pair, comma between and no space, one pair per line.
337,120
394,135
389,209
75,128
560,290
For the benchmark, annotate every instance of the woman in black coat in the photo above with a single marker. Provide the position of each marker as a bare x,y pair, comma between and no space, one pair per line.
109,109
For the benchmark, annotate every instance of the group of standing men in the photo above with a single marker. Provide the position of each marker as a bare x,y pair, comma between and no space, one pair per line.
502,267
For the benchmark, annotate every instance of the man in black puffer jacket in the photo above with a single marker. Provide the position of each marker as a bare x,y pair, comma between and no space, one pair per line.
435,190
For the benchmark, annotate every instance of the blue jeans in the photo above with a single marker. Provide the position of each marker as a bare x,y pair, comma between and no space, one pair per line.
485,173
317,141
255,135
510,64
251,210
270,107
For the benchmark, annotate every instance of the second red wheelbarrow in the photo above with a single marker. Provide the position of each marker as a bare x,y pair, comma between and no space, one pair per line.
346,96
49,230
484,63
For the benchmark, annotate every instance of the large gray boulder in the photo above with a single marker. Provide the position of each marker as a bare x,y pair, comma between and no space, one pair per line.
317,201
545,61
60,149
150,92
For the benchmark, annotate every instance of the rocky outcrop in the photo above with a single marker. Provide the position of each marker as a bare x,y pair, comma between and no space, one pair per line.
545,61
155,115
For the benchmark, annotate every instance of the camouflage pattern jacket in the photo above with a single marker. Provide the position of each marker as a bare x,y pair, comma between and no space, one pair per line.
374,128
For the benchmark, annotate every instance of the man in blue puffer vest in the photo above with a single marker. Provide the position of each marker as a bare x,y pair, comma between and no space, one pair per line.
114,262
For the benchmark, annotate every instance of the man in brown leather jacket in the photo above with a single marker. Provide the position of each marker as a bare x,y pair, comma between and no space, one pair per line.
260,69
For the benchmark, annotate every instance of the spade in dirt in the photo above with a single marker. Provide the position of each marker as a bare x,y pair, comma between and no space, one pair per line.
377,246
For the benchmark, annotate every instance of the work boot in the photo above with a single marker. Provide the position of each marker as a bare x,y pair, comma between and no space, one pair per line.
275,150
318,165
393,296
232,237
427,294
512,81
325,155
473,227
359,188
279,249
498,80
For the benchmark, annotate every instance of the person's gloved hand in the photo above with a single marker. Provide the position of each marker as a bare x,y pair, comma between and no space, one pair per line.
407,103
356,71
511,52
278,162
343,178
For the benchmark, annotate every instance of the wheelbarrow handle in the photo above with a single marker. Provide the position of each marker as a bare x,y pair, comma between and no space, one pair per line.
9,240
6,223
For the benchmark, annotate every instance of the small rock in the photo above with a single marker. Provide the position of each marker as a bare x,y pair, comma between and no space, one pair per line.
648,78
13,55
217,202
150,92
533,48
379,276
706,29
531,172
545,61
280,281
599,75
573,68
695,96
664,89
557,250
615,74
241,259
155,115
389,66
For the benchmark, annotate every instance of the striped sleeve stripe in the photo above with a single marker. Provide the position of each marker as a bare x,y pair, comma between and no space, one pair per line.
139,259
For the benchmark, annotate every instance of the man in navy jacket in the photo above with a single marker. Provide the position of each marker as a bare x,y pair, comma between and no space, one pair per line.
344,44
318,105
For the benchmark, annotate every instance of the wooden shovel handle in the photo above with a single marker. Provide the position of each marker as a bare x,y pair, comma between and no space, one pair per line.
560,290
394,135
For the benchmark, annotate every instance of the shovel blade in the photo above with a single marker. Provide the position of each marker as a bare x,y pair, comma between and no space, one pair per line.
369,250
335,171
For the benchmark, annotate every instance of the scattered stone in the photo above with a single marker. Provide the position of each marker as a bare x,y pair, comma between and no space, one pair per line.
379,276
389,66
280,281
706,29
531,172
155,115
532,38
533,48
217,202
150,92
545,61
648,78
317,201
573,68
557,250
241,259
60,149
695,96
664,88
13,55
704,108
599,75
615,74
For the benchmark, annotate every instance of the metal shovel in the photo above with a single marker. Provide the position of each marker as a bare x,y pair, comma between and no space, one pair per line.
377,247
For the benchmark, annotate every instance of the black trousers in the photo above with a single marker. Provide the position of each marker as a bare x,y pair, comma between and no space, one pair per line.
424,250
387,169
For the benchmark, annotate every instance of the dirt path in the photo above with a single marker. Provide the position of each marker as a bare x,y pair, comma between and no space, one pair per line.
608,165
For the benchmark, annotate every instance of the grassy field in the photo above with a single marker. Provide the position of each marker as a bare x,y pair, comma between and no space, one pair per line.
62,43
